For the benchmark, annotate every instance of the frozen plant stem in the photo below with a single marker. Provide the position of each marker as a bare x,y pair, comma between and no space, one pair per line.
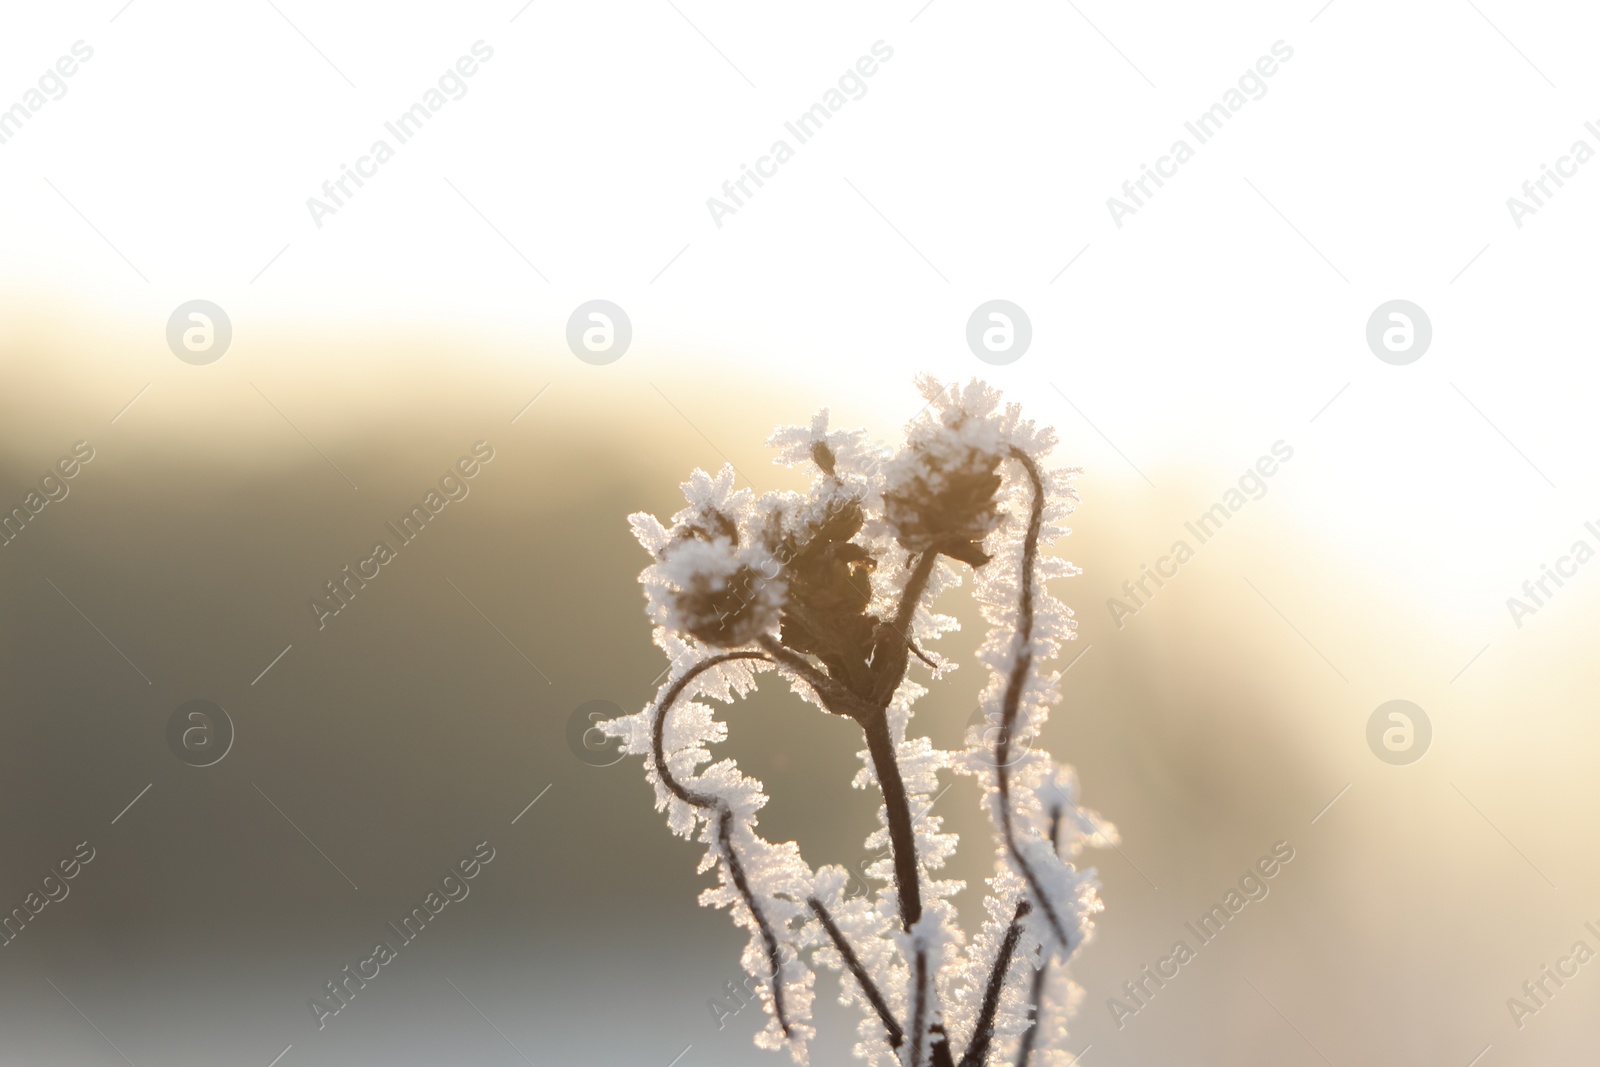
1019,675
832,588
724,824
1036,994
902,840
874,995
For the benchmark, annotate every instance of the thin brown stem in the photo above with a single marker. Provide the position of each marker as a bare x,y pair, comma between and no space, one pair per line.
921,571
724,825
835,697
897,809
1035,1002
983,1033
919,1012
741,882
1036,995
890,659
659,728
871,711
896,1034
903,844
1012,701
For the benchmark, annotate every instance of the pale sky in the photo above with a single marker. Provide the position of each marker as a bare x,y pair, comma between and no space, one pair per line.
1222,316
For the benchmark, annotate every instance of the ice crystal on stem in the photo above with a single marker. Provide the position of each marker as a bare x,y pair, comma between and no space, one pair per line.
832,589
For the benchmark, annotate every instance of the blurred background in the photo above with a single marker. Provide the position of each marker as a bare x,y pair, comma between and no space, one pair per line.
444,706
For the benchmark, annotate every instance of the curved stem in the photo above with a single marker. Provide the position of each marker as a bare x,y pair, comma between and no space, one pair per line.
659,728
874,722
1012,701
835,697
872,713
730,855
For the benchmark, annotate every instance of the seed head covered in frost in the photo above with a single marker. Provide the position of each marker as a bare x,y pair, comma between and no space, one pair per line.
703,583
832,588
718,593
940,491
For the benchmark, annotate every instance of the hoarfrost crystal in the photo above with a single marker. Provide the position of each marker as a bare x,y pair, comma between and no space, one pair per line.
832,589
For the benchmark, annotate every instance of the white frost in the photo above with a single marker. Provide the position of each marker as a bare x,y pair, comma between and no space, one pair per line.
925,500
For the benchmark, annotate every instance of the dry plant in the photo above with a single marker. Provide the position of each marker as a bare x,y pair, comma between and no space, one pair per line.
832,588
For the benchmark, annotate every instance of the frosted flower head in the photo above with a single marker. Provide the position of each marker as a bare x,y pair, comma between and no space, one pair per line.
827,575
941,496
835,585
722,595
715,510
839,454
942,491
